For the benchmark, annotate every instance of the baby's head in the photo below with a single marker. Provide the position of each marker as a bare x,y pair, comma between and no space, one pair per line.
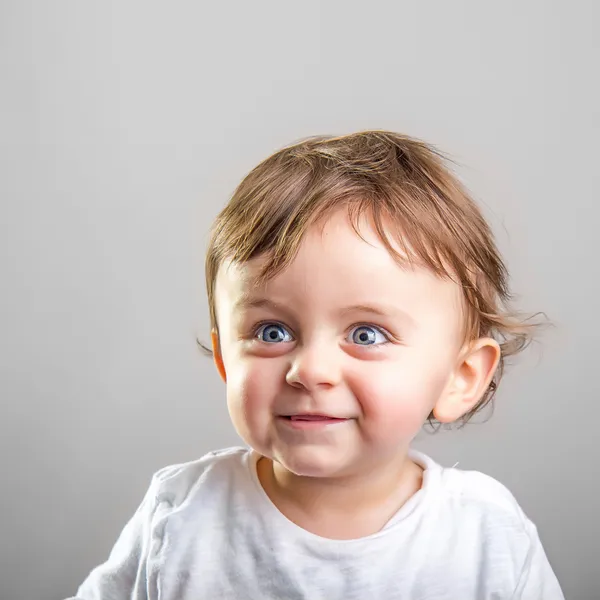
355,292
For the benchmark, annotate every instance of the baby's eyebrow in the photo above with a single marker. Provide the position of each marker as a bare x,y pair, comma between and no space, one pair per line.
246,302
380,310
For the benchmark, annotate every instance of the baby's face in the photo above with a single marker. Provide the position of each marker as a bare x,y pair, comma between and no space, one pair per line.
335,363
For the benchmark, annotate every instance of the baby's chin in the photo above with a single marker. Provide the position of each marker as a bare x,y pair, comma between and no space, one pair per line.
315,462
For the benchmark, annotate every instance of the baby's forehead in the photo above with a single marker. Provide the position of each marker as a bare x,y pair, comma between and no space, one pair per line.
336,267
342,247
351,242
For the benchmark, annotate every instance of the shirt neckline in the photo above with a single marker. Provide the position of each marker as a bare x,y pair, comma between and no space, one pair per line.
409,511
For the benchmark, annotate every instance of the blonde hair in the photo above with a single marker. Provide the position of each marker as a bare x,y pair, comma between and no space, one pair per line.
413,200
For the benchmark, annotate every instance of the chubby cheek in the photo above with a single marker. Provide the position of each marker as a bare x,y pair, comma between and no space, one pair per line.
252,387
396,400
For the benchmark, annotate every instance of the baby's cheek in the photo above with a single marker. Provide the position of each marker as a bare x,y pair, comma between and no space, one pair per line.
249,400
251,388
398,401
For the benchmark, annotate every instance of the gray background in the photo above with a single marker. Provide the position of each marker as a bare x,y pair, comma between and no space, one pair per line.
124,128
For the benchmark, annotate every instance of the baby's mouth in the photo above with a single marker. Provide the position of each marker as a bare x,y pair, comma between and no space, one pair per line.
313,418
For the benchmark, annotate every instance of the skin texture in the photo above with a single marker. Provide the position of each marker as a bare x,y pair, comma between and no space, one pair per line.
346,332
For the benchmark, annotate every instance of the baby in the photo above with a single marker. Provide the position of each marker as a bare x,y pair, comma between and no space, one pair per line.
355,294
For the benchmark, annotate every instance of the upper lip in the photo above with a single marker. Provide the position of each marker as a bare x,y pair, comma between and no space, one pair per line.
310,414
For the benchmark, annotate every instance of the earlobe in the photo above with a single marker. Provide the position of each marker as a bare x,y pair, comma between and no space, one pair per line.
217,356
470,380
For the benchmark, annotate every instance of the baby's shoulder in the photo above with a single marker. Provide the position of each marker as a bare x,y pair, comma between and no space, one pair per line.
478,487
176,483
482,496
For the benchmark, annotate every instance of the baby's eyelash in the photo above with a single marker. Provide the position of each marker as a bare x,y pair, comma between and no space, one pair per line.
257,328
378,328
253,332
351,332
262,324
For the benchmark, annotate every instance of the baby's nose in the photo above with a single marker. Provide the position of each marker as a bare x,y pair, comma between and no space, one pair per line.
315,366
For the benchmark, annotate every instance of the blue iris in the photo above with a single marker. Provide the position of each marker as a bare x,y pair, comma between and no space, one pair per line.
273,333
363,335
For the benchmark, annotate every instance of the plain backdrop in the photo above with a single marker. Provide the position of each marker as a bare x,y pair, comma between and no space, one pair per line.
124,128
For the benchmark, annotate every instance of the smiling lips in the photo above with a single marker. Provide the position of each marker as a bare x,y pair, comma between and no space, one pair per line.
310,421
313,418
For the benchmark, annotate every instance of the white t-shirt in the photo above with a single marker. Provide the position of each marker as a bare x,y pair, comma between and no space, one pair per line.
207,530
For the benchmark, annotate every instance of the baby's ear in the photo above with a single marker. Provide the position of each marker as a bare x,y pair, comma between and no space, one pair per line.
471,378
217,356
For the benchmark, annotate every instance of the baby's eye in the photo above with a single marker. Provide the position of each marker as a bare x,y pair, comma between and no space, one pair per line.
272,333
365,335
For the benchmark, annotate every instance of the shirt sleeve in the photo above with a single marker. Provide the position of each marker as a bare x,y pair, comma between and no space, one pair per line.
538,581
123,576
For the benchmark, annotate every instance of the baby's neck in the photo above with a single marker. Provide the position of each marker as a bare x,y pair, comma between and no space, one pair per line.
344,507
